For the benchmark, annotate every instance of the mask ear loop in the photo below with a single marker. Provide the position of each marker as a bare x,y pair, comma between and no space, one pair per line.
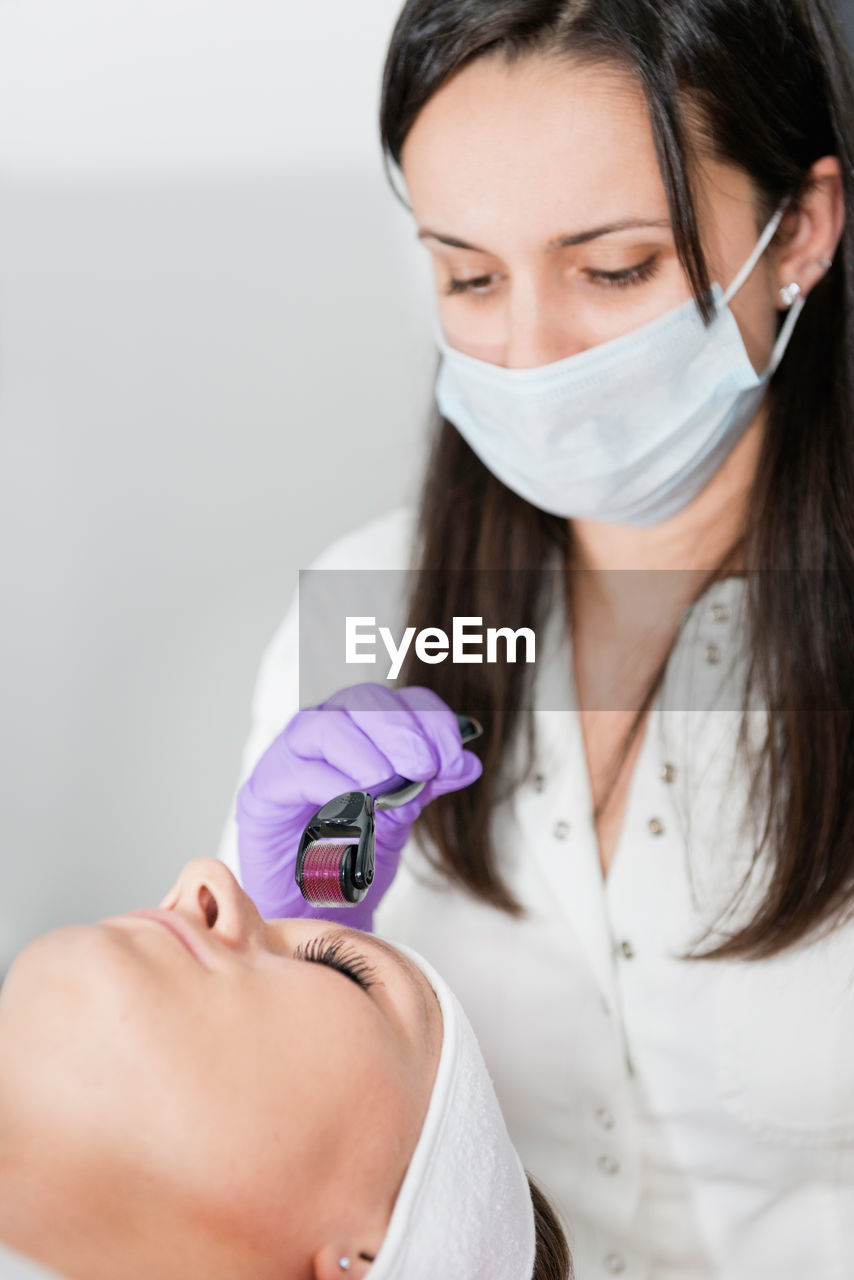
794,311
785,334
760,247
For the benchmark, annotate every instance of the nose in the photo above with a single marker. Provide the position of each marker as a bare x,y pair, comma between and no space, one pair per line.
539,328
208,894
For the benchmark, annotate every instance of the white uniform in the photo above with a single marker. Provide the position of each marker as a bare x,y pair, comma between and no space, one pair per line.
689,1119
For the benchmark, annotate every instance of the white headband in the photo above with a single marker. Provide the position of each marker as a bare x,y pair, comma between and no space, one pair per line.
464,1208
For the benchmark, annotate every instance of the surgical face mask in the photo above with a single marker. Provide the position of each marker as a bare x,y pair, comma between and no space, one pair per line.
628,431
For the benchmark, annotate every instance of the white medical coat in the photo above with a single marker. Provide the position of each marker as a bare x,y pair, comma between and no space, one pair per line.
607,1049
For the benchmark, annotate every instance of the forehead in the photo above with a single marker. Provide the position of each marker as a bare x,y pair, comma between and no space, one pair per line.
570,142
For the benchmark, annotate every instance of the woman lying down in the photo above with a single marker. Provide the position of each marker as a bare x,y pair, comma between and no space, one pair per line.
197,1093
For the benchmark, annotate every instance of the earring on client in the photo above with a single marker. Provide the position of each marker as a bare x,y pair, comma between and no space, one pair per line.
789,292
345,1264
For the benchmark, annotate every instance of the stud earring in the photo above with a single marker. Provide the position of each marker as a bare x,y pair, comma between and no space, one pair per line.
344,1264
789,292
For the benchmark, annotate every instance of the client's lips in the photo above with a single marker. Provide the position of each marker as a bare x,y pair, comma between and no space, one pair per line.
176,926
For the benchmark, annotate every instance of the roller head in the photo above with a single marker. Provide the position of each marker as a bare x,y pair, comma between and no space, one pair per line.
333,871
326,874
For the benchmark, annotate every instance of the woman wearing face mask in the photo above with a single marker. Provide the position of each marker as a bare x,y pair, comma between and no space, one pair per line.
195,1092
636,212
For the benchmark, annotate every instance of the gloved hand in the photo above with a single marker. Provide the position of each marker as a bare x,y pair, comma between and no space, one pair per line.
360,737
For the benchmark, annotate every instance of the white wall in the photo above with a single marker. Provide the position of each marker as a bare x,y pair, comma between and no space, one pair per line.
213,322
118,86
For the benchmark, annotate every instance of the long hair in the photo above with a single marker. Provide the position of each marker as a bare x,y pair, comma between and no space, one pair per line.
773,88
552,1260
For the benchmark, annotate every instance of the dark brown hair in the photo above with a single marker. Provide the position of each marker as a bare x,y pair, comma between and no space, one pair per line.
772,85
552,1260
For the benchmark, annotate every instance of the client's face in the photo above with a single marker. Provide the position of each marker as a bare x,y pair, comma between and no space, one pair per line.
228,1090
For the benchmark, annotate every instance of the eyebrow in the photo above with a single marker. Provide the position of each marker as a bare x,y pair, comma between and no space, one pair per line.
560,242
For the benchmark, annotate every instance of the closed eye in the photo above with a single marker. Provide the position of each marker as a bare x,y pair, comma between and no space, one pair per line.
337,954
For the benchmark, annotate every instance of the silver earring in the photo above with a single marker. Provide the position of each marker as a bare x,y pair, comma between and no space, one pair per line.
344,1264
789,292
825,263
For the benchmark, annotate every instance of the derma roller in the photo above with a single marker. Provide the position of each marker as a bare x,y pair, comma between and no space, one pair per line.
335,861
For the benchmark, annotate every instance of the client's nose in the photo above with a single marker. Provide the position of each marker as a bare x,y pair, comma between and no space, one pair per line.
208,894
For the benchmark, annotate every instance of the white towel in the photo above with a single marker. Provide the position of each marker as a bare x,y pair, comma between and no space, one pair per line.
14,1266
464,1211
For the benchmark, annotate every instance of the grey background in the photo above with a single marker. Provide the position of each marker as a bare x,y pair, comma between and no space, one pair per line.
214,357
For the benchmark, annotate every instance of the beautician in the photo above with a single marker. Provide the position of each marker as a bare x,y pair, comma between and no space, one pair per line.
636,214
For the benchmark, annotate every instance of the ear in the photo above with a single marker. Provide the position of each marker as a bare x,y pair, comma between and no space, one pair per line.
814,227
326,1263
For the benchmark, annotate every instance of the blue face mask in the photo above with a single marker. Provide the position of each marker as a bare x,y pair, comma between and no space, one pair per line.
628,431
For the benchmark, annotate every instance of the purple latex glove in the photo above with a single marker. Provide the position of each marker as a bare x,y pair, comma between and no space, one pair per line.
360,737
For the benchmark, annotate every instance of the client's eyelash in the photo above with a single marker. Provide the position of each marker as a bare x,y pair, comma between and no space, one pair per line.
335,953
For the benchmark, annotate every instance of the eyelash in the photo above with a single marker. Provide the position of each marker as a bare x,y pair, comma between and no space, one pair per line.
464,286
640,274
632,275
333,952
